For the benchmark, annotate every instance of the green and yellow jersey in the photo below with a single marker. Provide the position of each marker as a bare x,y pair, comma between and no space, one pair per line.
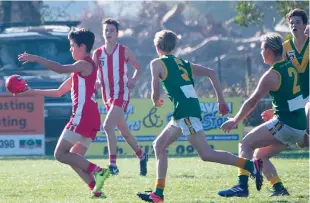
179,86
300,59
287,100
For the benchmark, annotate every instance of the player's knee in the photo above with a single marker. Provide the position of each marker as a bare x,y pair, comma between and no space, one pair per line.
155,146
108,128
245,144
205,157
58,155
158,148
258,156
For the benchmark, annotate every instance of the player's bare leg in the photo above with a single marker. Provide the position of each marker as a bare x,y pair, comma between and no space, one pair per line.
85,176
256,138
269,170
169,135
305,142
131,140
62,154
112,118
206,153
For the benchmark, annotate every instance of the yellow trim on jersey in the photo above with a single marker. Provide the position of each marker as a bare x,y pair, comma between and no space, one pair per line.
305,58
166,70
279,78
286,46
277,62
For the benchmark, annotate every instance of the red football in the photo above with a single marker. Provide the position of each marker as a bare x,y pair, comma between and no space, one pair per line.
15,84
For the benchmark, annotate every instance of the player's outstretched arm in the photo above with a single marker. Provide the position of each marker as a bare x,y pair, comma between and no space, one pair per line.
200,70
269,81
63,89
156,66
78,66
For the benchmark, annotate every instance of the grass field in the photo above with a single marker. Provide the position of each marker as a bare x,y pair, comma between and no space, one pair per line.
190,180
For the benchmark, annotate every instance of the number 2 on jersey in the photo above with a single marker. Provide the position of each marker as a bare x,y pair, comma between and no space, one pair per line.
184,74
293,73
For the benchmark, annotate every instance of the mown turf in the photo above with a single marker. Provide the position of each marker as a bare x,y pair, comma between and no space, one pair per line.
189,180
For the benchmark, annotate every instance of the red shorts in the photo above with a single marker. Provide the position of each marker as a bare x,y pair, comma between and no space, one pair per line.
85,127
117,102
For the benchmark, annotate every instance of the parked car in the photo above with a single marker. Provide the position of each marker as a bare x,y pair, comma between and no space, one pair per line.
49,40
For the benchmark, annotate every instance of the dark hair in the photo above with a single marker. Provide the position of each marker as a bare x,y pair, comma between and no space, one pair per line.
111,22
83,36
298,12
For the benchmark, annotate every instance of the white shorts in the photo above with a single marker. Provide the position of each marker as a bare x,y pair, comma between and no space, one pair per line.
284,133
189,126
75,138
307,104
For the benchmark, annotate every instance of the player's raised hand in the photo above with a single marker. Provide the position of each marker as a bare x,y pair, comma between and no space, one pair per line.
223,108
267,115
25,58
159,102
229,125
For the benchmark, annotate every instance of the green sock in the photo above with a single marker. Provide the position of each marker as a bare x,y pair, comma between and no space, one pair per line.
278,186
243,180
159,192
249,166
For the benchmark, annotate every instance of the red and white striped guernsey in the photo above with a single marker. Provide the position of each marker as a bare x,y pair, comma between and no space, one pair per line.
85,114
113,74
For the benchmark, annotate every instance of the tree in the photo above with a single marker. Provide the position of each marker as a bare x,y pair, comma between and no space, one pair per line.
17,11
31,11
249,12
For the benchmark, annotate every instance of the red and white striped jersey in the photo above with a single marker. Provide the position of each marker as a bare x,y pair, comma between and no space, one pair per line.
83,94
112,74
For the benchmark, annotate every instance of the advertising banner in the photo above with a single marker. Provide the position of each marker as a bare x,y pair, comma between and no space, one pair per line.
146,122
21,125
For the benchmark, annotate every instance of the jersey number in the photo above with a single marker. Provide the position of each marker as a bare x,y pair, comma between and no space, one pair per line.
184,74
293,73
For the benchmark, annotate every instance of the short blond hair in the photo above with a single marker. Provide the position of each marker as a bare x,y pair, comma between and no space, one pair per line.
274,41
166,40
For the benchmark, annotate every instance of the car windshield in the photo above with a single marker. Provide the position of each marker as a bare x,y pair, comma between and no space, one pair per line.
56,50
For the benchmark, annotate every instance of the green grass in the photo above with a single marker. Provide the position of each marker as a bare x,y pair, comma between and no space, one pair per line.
189,180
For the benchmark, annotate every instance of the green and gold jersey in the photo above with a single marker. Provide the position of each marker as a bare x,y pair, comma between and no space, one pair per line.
300,60
179,86
287,101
